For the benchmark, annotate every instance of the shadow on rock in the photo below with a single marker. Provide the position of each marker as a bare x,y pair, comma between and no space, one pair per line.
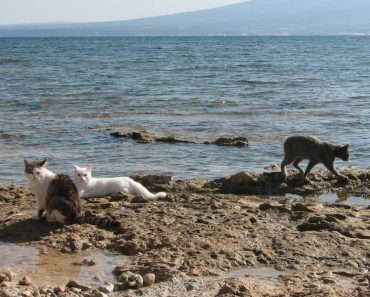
26,231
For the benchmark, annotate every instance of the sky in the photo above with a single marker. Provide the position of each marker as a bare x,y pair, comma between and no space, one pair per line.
41,11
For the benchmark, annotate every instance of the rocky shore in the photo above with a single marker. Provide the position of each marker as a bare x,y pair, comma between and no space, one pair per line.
235,236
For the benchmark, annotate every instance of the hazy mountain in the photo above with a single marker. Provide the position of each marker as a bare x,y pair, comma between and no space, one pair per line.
255,17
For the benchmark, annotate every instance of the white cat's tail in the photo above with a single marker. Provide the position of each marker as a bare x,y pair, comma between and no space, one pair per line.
140,190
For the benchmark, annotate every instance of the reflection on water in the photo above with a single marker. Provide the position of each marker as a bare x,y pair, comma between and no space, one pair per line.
337,198
50,267
340,197
263,275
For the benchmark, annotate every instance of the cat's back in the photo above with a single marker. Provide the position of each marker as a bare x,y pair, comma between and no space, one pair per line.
306,146
302,140
63,186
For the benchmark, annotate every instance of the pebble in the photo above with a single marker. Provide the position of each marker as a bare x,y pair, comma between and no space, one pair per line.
135,280
328,280
58,289
9,274
4,293
99,294
148,279
89,262
25,281
74,284
106,288
3,277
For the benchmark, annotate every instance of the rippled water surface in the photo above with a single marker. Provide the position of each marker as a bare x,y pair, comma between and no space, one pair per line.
59,95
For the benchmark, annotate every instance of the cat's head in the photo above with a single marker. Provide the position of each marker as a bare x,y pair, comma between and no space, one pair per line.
33,170
82,175
343,152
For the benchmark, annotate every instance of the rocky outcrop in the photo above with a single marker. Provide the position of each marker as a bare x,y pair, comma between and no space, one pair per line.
273,183
149,137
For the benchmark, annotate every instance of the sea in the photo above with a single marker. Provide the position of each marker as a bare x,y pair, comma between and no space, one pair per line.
59,98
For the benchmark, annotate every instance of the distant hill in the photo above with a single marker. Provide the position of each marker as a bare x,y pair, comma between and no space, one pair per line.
255,17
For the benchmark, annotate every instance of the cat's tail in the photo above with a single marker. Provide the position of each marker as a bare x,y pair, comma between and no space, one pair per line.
98,221
140,190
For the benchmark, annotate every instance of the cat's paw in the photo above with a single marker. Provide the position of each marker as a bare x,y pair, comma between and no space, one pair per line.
343,178
36,217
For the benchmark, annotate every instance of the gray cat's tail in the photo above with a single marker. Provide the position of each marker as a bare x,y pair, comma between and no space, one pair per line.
98,221
140,190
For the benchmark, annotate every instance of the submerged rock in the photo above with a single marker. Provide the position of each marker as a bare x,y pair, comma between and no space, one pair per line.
230,141
149,137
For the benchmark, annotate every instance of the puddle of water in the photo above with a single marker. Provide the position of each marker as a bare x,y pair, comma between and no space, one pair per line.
350,200
263,275
50,267
335,198
293,196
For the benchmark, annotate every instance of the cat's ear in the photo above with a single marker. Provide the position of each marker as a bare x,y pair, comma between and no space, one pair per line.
26,162
43,162
346,146
75,167
89,168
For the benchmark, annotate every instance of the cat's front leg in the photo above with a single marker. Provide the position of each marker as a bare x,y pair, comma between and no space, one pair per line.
39,215
331,168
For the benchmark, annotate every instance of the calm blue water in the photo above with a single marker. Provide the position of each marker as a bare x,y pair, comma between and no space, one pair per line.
59,95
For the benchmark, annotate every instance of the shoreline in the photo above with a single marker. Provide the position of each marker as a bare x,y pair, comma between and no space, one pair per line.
213,238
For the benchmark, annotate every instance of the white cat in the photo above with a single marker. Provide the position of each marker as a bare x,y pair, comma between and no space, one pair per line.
90,187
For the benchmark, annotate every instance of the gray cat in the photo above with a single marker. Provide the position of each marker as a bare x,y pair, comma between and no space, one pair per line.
305,147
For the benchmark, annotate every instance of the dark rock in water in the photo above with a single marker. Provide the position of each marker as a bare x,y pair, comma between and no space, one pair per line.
147,137
230,141
6,136
153,179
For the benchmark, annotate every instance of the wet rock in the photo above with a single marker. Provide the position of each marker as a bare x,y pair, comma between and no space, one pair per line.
148,279
58,289
328,280
106,288
300,207
131,248
88,262
231,141
147,137
315,224
3,278
153,179
242,183
99,294
25,281
9,274
135,281
5,293
265,206
253,220
338,216
74,284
